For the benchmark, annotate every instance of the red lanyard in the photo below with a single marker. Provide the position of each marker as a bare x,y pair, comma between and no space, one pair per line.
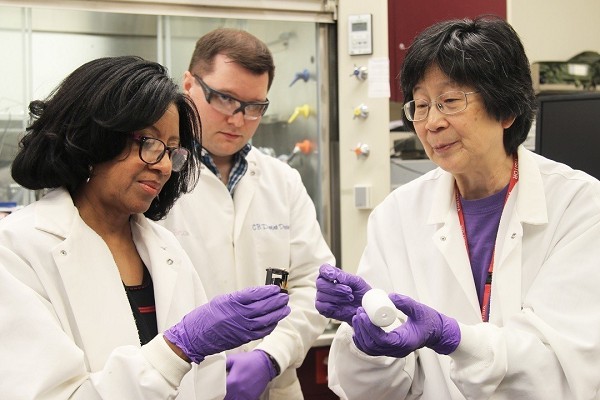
487,291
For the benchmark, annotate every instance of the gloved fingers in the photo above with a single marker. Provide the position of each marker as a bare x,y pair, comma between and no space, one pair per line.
250,377
229,361
374,341
328,291
336,275
361,340
325,284
256,330
363,322
365,337
407,305
262,307
253,294
343,298
264,321
230,306
328,272
241,360
357,283
333,274
234,335
333,309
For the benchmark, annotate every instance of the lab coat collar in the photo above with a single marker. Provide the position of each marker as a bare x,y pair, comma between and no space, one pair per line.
162,263
528,193
450,244
100,288
531,200
56,213
443,199
90,280
529,207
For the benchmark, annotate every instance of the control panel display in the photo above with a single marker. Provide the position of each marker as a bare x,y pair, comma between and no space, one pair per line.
360,34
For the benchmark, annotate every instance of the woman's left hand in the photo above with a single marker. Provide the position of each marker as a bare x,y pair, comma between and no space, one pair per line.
424,327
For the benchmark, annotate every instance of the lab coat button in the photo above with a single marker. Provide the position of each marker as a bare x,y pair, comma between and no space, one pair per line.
443,238
514,235
252,173
170,262
63,252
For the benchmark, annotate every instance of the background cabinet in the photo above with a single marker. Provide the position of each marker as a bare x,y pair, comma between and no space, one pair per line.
406,18
313,375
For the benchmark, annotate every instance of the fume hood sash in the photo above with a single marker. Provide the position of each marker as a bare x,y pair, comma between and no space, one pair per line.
323,11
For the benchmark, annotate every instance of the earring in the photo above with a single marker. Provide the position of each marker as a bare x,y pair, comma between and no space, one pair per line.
90,172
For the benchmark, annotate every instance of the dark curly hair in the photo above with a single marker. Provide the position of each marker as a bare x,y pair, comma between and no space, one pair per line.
88,119
485,53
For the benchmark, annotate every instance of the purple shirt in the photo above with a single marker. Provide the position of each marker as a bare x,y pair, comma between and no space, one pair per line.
482,218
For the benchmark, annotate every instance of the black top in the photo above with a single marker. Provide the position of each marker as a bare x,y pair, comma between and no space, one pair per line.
143,306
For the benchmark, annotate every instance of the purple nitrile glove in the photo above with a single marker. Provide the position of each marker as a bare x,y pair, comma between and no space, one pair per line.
228,321
424,327
339,293
248,374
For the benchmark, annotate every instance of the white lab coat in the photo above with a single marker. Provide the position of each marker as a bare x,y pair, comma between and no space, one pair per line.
543,338
269,223
68,332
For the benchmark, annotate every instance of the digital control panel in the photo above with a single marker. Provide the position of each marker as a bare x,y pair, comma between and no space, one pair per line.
360,34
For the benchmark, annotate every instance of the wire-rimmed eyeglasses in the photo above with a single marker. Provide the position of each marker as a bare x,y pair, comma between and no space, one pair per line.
447,103
229,105
152,151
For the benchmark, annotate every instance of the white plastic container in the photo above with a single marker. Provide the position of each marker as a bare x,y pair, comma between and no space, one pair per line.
379,308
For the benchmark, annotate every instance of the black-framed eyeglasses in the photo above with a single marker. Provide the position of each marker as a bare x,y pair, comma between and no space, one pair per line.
152,150
447,103
229,105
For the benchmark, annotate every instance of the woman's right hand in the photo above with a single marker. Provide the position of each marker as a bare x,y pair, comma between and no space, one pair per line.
339,294
228,321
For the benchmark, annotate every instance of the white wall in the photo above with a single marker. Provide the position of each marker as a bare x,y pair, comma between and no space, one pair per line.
373,171
556,30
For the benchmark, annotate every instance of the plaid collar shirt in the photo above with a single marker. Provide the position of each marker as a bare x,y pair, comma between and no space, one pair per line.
240,166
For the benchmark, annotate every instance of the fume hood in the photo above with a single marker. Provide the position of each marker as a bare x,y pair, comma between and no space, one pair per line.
48,40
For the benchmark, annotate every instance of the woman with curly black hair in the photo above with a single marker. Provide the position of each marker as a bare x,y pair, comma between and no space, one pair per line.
107,304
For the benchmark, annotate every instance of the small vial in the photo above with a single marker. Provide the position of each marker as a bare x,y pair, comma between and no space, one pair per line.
380,309
279,277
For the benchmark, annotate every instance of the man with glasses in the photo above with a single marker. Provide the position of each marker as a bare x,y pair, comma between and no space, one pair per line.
250,211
